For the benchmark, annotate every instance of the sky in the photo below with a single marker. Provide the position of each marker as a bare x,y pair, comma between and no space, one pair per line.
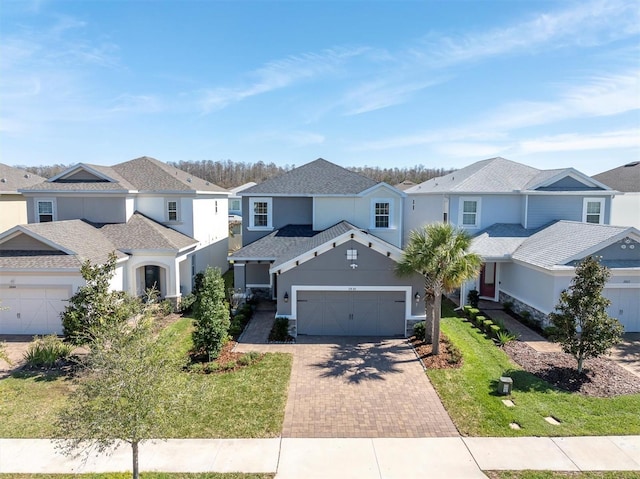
441,84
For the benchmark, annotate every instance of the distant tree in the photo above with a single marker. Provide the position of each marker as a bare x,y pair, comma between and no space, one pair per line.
582,325
94,304
440,253
127,389
211,315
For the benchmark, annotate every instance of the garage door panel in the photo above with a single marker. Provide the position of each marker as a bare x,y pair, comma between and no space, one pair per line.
351,313
32,311
625,307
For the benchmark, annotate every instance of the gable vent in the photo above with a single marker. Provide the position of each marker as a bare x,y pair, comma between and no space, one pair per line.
3,180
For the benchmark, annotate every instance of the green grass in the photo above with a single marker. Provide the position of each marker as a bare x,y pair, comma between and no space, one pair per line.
469,395
246,403
143,475
563,475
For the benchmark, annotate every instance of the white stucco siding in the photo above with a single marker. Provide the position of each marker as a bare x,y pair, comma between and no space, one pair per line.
625,210
155,207
169,277
210,219
118,281
536,288
329,211
130,207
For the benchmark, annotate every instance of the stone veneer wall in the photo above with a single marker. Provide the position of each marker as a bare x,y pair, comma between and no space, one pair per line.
519,307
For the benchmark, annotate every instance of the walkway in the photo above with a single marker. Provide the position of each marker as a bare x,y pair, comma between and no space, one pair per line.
340,458
353,387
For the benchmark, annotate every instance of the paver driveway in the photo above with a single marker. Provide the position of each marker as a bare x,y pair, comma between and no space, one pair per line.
353,387
361,387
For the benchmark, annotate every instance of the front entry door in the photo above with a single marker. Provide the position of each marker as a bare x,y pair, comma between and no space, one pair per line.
488,280
152,277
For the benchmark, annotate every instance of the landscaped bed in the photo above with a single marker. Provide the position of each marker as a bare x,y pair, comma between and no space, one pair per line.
247,402
470,395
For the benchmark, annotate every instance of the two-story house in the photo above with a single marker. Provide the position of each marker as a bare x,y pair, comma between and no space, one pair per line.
235,216
324,243
13,205
530,227
164,224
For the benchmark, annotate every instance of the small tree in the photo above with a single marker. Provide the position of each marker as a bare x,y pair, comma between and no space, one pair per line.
127,390
211,313
95,304
582,325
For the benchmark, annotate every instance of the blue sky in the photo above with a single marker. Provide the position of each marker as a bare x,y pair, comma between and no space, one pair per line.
382,83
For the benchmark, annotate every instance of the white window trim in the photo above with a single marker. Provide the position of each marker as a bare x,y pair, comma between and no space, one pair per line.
178,210
373,214
252,226
54,209
478,201
586,202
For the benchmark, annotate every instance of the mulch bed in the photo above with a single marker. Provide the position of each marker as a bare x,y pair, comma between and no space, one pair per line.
601,377
447,359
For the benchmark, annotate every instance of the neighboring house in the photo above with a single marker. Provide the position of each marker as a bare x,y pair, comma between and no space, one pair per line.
13,205
235,216
513,210
165,225
324,243
625,208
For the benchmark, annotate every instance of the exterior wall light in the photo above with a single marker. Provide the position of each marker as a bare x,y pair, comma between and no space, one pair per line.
417,297
286,297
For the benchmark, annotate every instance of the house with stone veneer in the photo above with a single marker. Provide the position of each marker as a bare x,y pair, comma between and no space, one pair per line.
323,242
531,227
164,224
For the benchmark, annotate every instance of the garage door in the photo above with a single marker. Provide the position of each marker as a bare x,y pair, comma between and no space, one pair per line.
351,313
625,307
32,311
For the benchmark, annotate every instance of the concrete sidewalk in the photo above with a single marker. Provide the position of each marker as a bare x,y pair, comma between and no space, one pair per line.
362,458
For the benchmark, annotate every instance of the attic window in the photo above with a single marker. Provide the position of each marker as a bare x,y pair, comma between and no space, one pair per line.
352,254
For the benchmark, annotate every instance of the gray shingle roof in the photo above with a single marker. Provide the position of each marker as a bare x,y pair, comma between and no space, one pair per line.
141,232
496,175
289,242
142,174
500,240
624,178
12,179
320,177
563,241
77,236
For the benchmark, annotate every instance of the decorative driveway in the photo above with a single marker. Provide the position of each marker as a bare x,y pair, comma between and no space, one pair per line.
353,387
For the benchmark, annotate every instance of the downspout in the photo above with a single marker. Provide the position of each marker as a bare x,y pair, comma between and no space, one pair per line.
526,211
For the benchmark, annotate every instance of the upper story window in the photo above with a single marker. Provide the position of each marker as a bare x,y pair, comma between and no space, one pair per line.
172,210
382,209
593,210
44,211
235,205
470,212
260,216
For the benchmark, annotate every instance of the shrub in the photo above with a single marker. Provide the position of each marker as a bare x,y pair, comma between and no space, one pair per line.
486,326
246,310
479,320
166,307
419,330
505,337
280,330
494,329
186,304
211,314
247,359
507,305
473,312
455,355
473,297
46,351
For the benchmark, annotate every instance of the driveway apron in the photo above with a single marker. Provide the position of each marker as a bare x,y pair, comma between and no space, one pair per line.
361,387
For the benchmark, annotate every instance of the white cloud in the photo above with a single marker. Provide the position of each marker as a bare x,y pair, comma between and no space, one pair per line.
611,140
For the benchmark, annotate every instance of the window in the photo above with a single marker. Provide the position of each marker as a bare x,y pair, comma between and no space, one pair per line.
593,210
470,212
382,214
260,213
352,254
172,210
44,209
235,205
216,206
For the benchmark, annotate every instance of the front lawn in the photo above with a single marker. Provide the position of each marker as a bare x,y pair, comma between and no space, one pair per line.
249,402
469,395
143,475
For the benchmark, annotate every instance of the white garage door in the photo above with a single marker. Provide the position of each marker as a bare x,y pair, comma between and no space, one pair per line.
625,307
349,313
32,311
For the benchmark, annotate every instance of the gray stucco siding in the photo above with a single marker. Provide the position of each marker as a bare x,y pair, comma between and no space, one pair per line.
615,252
257,274
333,269
96,209
285,211
533,287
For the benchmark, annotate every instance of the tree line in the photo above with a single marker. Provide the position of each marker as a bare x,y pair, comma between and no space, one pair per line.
229,174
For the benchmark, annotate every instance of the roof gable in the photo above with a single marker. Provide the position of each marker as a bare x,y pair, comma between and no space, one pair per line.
320,177
567,179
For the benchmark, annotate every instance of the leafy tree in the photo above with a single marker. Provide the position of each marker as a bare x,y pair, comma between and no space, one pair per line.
439,252
95,304
211,314
128,390
582,325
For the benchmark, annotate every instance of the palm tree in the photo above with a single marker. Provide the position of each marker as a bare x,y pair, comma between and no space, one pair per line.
439,252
